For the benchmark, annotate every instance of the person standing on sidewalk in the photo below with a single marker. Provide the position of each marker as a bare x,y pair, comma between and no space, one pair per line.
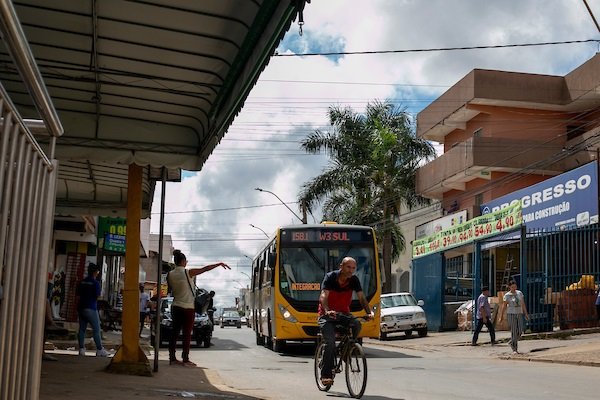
181,282
483,316
88,291
144,307
515,301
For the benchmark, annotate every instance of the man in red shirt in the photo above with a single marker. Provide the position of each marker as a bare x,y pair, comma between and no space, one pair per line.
335,299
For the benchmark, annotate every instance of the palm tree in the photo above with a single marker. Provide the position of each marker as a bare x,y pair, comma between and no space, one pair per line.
371,173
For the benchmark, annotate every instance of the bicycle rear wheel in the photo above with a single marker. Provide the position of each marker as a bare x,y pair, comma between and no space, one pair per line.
318,365
356,371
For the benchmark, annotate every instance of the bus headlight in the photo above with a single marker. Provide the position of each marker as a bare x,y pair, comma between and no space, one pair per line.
286,314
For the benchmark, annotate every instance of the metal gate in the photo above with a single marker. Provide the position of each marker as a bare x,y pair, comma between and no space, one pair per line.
562,270
427,285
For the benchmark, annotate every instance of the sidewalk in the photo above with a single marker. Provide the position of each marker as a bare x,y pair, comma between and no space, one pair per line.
85,378
575,347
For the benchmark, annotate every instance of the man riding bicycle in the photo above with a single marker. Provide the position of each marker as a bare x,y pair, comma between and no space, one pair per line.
336,296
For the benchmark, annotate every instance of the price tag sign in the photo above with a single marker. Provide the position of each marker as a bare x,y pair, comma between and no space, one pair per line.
475,229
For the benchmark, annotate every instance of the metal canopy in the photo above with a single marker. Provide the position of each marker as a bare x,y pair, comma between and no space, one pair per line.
155,82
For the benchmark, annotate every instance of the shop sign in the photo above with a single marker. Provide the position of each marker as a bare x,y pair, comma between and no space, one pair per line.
112,233
564,201
478,228
439,224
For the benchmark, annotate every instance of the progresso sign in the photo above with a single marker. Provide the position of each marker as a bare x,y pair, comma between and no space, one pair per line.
567,200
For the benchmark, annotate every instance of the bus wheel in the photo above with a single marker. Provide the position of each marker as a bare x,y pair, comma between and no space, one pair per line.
278,345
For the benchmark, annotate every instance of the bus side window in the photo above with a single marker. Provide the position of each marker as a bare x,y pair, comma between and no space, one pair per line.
266,272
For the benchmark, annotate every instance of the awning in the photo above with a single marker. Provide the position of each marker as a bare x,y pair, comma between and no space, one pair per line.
156,83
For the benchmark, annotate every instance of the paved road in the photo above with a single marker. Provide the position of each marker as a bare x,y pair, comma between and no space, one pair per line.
406,371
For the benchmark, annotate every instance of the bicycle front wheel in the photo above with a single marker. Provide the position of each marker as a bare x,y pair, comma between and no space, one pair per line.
318,365
356,371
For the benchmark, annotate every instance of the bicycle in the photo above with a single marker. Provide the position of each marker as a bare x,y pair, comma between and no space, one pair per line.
349,354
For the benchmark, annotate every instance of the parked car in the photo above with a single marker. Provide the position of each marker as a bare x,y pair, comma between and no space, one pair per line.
202,333
400,312
231,318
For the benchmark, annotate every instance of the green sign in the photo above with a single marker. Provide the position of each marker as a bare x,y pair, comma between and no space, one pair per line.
477,228
111,234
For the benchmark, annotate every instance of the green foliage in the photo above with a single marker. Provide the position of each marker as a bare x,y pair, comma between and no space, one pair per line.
371,171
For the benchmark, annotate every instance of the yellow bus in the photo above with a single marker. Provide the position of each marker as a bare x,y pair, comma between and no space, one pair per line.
287,273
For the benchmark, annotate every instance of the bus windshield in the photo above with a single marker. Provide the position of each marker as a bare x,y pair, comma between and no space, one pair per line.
303,269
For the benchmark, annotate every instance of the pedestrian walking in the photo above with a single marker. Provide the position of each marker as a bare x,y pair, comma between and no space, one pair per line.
483,316
181,282
144,307
88,291
515,301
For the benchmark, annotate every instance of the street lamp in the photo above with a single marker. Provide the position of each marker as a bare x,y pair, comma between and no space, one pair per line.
303,220
256,227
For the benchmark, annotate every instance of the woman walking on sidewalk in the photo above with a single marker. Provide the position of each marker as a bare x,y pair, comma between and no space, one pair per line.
515,301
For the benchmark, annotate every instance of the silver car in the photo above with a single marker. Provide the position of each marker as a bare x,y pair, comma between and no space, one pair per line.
400,312
231,318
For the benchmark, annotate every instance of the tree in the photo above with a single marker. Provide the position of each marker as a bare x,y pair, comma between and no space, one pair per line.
371,173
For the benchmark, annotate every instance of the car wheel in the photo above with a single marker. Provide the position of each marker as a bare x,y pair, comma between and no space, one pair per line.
239,326
207,342
422,332
408,333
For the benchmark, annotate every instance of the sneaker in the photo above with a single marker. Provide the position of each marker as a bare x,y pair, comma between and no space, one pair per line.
82,352
474,344
102,353
175,362
188,363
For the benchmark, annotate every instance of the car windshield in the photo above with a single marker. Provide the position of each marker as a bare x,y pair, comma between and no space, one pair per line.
231,314
398,300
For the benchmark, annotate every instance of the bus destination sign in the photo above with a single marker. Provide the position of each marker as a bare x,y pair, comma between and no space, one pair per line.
329,235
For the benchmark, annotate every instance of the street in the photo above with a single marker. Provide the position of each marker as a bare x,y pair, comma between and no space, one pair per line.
403,371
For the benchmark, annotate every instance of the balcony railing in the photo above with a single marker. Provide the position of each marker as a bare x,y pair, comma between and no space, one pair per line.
478,157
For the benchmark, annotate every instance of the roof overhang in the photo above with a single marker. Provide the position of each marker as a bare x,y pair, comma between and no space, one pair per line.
156,83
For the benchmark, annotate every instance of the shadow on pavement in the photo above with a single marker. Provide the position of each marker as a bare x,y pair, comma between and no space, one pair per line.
85,378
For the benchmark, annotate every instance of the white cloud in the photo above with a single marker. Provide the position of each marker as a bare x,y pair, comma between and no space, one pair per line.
280,108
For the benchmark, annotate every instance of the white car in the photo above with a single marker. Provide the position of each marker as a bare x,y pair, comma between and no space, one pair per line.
400,312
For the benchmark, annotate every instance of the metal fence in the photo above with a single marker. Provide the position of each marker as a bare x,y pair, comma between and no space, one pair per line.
559,277
27,196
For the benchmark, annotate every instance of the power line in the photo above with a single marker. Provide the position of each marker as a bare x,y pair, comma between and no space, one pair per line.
498,46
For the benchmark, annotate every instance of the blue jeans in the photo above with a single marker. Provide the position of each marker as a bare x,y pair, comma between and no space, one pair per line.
89,316
327,325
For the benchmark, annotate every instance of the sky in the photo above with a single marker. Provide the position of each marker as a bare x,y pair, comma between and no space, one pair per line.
209,213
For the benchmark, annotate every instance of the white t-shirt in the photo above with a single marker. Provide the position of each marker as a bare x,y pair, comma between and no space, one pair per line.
514,301
181,284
